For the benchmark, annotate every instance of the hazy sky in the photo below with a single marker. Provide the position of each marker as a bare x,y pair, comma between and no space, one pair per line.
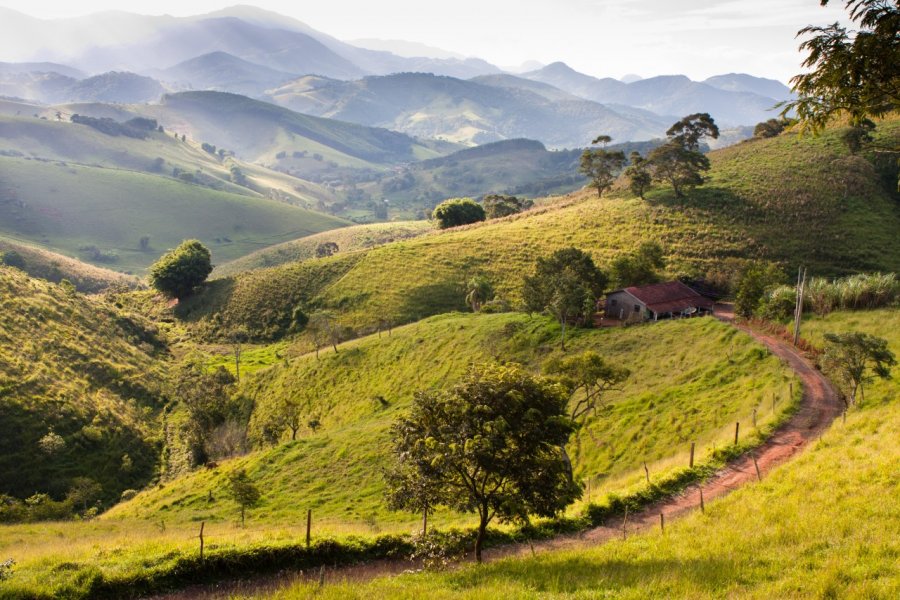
600,37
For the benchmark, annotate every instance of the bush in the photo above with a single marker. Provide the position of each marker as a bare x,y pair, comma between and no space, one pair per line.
11,258
457,211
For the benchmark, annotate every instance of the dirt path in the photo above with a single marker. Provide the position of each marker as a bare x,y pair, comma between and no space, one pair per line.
819,407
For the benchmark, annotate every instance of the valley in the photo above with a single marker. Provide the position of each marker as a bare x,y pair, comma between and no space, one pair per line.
376,313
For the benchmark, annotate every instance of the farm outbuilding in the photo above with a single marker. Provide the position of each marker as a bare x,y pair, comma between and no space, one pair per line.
668,300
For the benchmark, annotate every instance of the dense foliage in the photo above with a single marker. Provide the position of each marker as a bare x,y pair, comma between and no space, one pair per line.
457,211
491,445
178,272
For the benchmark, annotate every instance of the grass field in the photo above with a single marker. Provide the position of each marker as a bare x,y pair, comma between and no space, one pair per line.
761,194
348,239
66,208
673,398
825,525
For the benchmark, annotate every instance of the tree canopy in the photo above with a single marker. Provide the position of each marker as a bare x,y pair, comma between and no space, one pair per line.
492,445
502,205
178,272
851,72
565,284
601,165
640,267
638,174
854,355
243,491
457,211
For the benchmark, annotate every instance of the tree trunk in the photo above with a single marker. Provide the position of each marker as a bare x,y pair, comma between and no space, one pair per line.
479,540
562,323
294,433
242,516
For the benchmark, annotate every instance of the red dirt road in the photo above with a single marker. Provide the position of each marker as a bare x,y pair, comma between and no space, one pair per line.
819,407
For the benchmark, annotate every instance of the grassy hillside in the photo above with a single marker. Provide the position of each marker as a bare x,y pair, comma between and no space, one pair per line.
75,367
672,398
825,525
348,239
794,200
100,215
54,267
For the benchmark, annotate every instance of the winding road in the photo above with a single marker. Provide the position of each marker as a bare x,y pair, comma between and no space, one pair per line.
819,406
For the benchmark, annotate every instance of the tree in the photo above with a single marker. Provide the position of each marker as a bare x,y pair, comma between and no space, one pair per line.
457,211
51,443
292,413
752,284
83,492
208,399
242,490
501,205
601,165
178,272
638,174
852,72
586,377
565,284
678,167
640,267
688,132
326,249
478,291
324,329
491,445
853,355
770,128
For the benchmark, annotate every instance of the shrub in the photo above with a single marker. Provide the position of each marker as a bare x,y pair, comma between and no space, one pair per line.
457,211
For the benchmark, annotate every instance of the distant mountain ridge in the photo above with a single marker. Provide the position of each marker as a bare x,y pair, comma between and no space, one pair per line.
466,111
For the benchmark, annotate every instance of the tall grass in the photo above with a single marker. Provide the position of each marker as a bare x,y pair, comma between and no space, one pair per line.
863,291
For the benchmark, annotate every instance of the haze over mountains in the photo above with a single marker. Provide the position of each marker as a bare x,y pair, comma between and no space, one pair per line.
120,57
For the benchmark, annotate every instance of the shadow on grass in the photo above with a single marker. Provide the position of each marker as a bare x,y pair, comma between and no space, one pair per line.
433,299
572,574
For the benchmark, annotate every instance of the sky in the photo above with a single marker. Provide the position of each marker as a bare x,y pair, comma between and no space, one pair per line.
604,38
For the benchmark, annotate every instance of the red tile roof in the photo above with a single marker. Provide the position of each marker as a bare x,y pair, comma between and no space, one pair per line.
670,296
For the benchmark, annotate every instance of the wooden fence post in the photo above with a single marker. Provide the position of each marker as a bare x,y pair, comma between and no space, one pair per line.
737,428
202,525
647,472
625,524
756,465
691,463
754,418
702,507
662,522
308,526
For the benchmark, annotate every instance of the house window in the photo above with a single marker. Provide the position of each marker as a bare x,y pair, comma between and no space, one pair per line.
613,302
637,308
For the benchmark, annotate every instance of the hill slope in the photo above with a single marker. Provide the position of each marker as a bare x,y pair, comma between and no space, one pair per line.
101,214
827,524
77,368
787,199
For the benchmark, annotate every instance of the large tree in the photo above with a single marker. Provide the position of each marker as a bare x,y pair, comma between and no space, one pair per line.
586,377
491,445
565,284
850,72
178,272
688,132
601,165
679,161
640,267
638,174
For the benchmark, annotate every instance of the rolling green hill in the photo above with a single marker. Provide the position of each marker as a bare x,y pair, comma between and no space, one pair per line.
89,374
673,398
348,239
54,267
825,525
100,214
790,199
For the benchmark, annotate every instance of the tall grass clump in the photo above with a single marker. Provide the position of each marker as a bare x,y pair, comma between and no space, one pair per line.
863,291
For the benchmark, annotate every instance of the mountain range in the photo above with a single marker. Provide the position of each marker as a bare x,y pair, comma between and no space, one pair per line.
262,54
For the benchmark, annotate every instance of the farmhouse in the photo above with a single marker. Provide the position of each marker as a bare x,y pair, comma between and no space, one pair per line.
668,300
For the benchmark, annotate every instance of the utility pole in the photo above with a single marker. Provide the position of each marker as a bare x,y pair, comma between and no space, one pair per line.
798,308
